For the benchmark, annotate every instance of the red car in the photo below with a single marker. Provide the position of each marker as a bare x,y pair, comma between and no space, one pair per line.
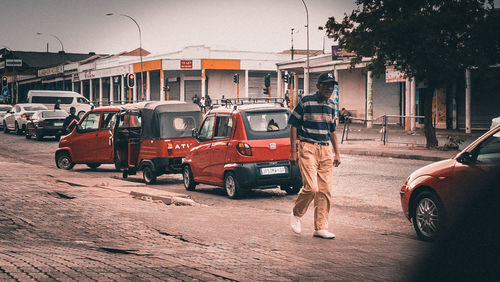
88,143
243,147
433,194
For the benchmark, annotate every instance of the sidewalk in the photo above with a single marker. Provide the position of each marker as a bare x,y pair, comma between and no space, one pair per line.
360,140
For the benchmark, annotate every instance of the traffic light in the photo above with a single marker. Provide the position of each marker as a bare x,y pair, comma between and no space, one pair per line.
4,81
267,80
285,78
130,80
266,91
236,78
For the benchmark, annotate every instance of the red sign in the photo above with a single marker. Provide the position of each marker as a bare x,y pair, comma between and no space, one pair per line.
186,64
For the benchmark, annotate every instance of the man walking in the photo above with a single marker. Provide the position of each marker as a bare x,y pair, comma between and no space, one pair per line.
313,123
70,121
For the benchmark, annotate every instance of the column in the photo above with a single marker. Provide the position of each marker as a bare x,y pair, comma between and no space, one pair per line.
246,83
81,87
413,105
203,83
407,104
134,92
369,100
163,93
295,89
148,88
91,92
100,91
111,89
279,92
122,87
72,86
467,101
306,81
182,96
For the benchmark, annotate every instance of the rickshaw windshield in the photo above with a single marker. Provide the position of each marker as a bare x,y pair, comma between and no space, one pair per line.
178,125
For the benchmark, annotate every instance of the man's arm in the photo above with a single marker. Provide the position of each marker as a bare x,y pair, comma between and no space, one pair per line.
335,144
293,144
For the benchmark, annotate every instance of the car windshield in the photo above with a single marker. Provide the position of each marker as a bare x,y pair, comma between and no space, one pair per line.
178,125
5,108
54,114
267,121
34,108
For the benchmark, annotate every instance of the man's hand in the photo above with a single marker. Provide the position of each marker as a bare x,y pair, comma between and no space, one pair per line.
293,157
336,160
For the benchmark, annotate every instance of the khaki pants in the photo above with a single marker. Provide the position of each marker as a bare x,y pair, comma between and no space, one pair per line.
316,168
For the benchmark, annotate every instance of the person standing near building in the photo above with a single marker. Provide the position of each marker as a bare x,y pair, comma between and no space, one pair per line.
202,105
313,123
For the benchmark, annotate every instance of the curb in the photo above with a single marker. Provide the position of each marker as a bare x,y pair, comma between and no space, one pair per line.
393,155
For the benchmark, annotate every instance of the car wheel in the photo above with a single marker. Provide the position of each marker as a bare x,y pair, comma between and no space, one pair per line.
38,136
427,216
57,137
148,175
187,176
293,190
27,135
63,161
232,186
17,129
93,166
5,128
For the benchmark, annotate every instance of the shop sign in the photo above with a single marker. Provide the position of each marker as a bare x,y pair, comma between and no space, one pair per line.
394,75
186,64
50,71
2,64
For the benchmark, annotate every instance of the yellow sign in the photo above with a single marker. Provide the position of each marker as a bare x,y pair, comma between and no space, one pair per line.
148,66
214,64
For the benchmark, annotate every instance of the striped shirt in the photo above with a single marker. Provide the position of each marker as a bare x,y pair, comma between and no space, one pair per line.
314,119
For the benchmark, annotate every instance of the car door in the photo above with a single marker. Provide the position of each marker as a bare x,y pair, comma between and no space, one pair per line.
104,152
483,171
10,118
84,140
222,134
201,154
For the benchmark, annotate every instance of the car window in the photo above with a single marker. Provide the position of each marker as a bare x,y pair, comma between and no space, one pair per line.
5,108
106,120
130,120
267,121
34,108
51,99
223,126
90,122
81,100
207,129
17,109
488,151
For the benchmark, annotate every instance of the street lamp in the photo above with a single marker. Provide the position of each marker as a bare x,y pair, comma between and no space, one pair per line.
140,48
62,46
306,82
62,54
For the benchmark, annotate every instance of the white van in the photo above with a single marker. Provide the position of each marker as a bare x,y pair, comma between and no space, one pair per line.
67,99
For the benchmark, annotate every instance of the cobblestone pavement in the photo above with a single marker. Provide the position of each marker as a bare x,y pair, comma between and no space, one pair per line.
52,231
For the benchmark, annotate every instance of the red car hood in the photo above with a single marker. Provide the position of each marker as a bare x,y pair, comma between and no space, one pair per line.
440,168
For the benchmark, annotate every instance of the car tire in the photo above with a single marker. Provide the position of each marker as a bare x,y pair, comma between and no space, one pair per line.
5,128
93,166
27,135
428,215
233,189
57,137
37,136
63,161
17,129
148,175
187,177
292,190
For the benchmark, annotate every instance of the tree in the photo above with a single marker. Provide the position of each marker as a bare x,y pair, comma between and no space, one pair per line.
431,40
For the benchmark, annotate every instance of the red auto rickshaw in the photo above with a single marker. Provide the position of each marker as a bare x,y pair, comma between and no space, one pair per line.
154,137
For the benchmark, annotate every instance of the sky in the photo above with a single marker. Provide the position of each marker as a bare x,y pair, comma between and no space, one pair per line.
166,25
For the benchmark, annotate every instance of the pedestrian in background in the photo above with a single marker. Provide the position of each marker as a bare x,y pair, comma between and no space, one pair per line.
70,121
208,102
313,123
202,105
57,105
196,100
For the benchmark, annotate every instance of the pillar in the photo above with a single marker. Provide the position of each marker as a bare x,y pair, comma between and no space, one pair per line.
81,87
163,93
100,91
203,83
111,89
182,96
148,88
246,83
122,87
295,89
413,104
369,100
467,101
279,92
407,104
91,91
306,81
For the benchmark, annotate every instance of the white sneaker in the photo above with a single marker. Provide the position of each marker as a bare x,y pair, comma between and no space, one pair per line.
295,223
323,233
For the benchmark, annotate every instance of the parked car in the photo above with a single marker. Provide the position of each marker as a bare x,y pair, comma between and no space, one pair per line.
3,111
154,137
66,99
45,123
495,122
432,195
16,118
243,147
88,143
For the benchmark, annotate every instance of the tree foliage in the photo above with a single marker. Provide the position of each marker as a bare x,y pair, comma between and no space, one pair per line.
431,40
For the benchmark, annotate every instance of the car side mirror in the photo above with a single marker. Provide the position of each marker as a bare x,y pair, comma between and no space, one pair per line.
195,133
466,158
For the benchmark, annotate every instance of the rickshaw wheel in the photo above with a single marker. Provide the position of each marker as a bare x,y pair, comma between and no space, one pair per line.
149,175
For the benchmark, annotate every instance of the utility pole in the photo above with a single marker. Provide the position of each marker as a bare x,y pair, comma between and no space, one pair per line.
292,42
